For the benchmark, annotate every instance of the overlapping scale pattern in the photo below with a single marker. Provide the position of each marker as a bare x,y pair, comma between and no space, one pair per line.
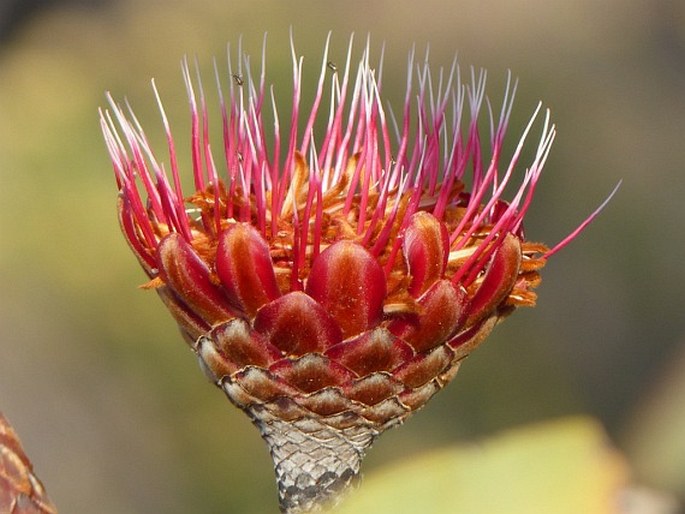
326,362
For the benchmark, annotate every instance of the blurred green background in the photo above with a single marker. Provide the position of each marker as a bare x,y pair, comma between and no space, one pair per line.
108,400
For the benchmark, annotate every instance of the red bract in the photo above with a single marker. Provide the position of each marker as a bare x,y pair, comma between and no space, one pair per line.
331,283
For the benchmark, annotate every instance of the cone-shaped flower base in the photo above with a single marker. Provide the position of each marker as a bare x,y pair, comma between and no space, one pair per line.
318,420
332,283
314,462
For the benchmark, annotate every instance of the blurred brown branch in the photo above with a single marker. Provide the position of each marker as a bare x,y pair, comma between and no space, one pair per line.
20,490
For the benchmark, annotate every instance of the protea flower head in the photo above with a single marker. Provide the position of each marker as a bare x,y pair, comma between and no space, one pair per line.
332,282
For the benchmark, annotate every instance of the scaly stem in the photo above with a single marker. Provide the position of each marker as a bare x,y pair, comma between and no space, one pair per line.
314,462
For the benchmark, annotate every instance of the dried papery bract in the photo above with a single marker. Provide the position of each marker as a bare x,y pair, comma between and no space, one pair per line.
21,492
331,283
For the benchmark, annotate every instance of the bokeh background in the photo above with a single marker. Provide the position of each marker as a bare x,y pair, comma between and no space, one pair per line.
109,401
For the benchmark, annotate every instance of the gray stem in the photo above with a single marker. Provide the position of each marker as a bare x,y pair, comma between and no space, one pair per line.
314,462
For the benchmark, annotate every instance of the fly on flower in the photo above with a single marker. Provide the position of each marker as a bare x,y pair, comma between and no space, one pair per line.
332,282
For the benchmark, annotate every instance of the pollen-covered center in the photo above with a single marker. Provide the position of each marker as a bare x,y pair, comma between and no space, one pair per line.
315,219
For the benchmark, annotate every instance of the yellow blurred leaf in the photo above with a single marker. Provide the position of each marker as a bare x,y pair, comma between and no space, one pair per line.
558,467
